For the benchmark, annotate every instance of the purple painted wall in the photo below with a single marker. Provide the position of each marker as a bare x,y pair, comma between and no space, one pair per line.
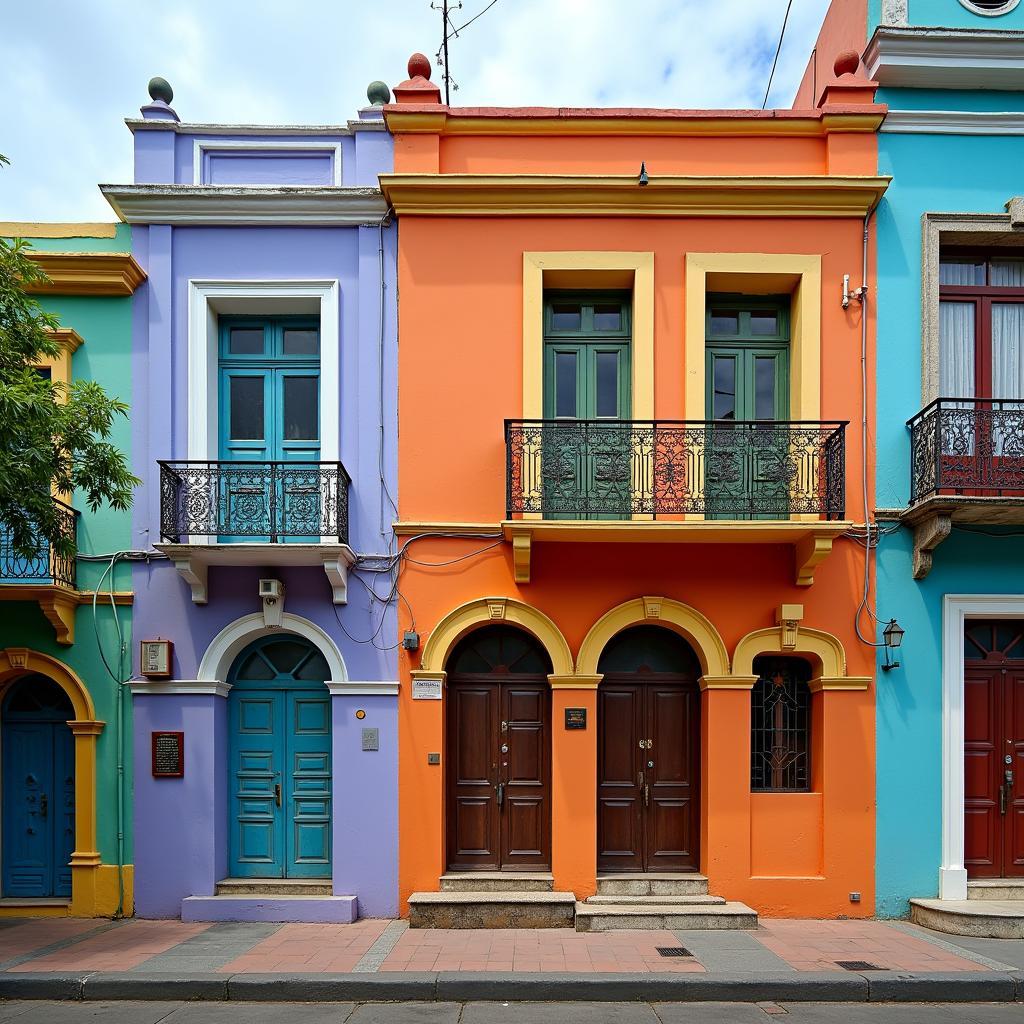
182,824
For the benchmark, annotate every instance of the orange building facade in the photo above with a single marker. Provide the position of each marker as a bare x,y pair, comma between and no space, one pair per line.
632,493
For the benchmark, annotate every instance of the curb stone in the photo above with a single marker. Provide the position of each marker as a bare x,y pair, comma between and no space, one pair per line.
1019,979
343,988
947,987
155,985
42,985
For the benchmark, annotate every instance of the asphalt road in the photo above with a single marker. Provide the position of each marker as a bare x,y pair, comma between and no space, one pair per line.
40,1012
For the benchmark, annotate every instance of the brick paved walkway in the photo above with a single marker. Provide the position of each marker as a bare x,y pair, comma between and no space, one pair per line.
373,946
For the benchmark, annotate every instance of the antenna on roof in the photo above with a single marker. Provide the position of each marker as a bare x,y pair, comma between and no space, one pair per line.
450,31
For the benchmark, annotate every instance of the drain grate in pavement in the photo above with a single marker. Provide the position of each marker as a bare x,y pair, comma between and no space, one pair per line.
673,951
858,965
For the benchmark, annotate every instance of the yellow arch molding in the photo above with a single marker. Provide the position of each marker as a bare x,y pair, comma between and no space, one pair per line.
825,650
489,610
688,622
88,895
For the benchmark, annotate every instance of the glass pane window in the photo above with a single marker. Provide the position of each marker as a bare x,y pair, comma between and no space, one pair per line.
764,388
566,316
565,383
724,401
725,322
301,409
1007,343
962,272
1006,273
301,341
245,341
956,349
780,726
607,384
607,317
246,408
764,322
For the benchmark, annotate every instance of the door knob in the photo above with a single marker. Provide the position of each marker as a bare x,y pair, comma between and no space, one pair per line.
277,794
501,793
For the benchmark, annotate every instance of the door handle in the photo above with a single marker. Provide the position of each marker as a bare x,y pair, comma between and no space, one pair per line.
44,805
1004,790
647,795
277,793
501,793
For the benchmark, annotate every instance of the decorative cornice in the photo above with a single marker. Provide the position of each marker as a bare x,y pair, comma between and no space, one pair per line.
179,688
954,122
67,337
409,529
88,273
139,124
527,195
946,58
370,688
251,204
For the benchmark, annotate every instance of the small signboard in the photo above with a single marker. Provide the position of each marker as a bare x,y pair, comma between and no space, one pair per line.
575,718
155,658
371,739
168,755
426,689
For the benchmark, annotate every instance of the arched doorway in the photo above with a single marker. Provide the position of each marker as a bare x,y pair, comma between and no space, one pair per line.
38,789
279,777
498,739
648,759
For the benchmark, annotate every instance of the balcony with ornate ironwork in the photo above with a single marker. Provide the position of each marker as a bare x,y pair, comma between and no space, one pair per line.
255,513
967,466
676,480
44,575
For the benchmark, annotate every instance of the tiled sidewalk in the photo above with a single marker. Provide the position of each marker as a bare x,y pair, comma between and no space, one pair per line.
374,946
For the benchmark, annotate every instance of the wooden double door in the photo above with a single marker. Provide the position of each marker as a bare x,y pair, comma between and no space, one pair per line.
648,773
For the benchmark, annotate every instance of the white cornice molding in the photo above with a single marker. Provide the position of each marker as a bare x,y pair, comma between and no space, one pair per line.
954,122
179,688
252,204
370,688
138,124
946,58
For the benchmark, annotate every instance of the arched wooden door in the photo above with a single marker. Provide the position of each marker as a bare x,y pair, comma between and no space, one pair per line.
498,739
279,777
648,760
38,789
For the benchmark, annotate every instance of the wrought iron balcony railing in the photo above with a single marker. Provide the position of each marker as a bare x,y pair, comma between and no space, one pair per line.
269,502
967,446
579,469
45,567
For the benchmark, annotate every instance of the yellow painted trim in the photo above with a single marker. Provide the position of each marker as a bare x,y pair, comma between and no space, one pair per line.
33,229
839,683
489,610
574,195
574,682
408,529
691,624
701,531
31,908
727,682
561,122
826,650
88,273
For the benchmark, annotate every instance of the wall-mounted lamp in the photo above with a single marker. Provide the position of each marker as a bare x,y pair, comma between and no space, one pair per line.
643,179
893,637
856,295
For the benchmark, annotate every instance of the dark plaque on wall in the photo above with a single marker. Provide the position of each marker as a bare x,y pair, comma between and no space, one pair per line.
168,755
575,718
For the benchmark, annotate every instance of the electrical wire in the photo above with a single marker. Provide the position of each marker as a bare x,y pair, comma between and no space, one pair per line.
778,50
456,31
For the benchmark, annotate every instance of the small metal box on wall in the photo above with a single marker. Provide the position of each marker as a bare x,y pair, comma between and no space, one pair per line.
155,658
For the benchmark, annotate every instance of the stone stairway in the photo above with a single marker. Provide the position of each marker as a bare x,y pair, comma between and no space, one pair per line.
654,901
994,909
493,899
271,899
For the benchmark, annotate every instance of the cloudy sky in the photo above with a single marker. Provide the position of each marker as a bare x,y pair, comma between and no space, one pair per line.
72,70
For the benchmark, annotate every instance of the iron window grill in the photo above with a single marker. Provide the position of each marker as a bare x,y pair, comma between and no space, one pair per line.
780,727
727,469
45,566
266,502
967,446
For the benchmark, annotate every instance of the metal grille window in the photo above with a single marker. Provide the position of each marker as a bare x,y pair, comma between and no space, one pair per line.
780,726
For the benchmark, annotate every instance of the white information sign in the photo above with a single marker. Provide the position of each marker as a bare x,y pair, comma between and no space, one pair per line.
426,689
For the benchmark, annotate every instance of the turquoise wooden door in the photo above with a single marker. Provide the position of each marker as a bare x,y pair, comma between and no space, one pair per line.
270,415
38,790
280,762
586,467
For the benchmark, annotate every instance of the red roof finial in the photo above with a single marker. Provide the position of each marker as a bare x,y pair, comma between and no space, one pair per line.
419,66
846,63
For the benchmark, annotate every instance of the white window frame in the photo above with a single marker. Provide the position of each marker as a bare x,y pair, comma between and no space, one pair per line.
1005,9
202,146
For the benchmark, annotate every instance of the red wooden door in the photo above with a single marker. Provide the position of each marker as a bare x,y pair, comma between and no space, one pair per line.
499,802
647,793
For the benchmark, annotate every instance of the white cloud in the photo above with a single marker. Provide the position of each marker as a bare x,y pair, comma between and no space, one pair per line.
70,72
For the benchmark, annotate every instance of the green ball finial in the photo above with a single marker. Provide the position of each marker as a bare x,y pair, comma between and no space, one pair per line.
378,93
160,90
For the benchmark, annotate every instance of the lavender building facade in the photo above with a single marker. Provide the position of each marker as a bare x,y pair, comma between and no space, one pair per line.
264,430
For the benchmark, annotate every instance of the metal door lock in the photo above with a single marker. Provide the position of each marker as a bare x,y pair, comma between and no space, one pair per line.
504,748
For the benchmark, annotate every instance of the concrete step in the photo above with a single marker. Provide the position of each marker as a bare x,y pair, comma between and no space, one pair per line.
655,916
992,919
996,889
652,884
274,887
651,901
522,909
311,909
497,881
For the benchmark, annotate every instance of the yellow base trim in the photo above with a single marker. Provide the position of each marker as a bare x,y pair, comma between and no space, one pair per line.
34,908
96,894
727,682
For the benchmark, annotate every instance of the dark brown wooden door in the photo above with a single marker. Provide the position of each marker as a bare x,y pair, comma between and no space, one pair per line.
648,773
499,774
994,768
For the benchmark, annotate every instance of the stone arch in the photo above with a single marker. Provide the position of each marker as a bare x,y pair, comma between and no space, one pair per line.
237,635
490,611
824,651
689,623
20,661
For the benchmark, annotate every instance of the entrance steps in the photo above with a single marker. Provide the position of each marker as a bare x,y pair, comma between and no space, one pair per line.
309,900
493,899
273,887
994,909
659,901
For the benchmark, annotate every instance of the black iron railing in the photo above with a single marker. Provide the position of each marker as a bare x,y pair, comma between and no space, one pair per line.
256,501
972,446
723,469
45,565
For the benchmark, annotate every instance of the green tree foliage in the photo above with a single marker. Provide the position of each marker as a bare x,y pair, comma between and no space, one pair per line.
53,438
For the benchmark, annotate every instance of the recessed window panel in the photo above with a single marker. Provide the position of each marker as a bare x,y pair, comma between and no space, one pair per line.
764,322
607,383
764,388
725,322
608,317
246,405
245,341
565,383
1006,273
566,316
301,409
303,341
724,400
961,272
